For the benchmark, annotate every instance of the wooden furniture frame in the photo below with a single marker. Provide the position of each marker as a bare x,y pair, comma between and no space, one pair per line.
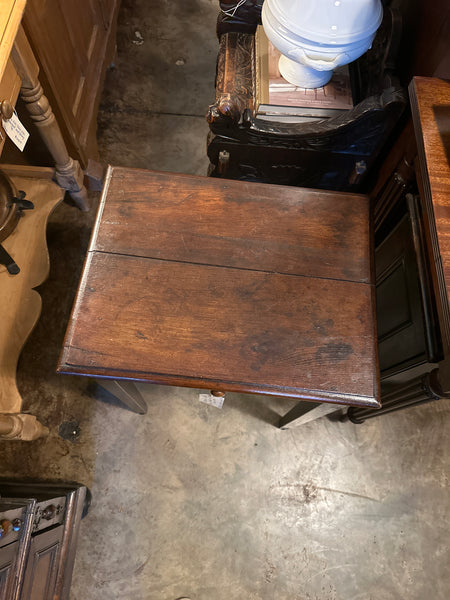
39,563
422,158
20,302
18,64
228,286
243,19
74,43
336,153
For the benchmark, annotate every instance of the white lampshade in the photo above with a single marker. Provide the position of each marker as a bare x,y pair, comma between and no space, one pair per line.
316,36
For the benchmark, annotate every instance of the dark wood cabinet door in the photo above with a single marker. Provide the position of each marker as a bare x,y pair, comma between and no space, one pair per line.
7,557
401,323
42,565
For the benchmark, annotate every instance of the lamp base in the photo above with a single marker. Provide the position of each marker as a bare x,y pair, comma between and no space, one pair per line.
302,76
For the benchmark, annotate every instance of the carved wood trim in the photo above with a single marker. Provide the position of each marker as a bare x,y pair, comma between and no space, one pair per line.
235,79
420,390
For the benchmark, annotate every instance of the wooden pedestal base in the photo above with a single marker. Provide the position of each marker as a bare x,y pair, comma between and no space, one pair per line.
20,303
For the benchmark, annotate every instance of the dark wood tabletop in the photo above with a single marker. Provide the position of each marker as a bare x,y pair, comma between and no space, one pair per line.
228,285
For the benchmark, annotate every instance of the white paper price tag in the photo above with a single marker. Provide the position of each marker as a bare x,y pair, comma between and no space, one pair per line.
216,401
16,131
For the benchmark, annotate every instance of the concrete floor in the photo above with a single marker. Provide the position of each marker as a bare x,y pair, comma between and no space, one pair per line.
194,501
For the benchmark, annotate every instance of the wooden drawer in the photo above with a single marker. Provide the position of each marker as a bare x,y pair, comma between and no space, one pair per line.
9,90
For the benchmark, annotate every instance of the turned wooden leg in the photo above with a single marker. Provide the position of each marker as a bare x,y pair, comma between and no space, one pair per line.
68,172
420,390
21,427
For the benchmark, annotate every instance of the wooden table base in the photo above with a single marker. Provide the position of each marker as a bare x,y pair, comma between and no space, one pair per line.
128,393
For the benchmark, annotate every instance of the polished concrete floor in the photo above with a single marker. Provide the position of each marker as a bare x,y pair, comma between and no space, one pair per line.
195,501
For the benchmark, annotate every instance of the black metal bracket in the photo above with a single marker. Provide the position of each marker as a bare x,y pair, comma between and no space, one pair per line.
21,203
7,260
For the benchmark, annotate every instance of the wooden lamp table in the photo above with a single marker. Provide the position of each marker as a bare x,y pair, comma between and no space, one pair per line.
229,286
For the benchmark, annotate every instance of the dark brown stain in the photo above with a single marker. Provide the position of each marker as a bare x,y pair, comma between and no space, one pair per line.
323,326
266,347
309,493
334,352
125,210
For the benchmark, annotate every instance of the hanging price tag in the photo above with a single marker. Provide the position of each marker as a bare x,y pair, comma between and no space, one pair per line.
216,401
16,131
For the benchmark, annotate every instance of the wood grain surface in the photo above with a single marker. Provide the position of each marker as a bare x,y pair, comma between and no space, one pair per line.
11,12
430,103
235,224
9,91
20,302
230,286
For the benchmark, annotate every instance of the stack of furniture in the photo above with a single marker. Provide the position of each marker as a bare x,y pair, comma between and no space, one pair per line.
234,286
410,289
335,153
54,56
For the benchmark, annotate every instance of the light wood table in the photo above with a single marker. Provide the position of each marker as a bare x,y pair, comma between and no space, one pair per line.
20,303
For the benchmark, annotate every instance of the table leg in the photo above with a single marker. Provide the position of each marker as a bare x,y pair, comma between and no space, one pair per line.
304,412
21,427
68,172
126,392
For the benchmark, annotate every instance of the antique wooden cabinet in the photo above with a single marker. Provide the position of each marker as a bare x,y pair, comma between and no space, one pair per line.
411,223
73,41
39,529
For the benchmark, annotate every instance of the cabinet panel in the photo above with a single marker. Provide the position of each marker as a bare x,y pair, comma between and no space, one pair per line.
42,564
7,558
73,41
401,332
10,17
408,329
52,43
